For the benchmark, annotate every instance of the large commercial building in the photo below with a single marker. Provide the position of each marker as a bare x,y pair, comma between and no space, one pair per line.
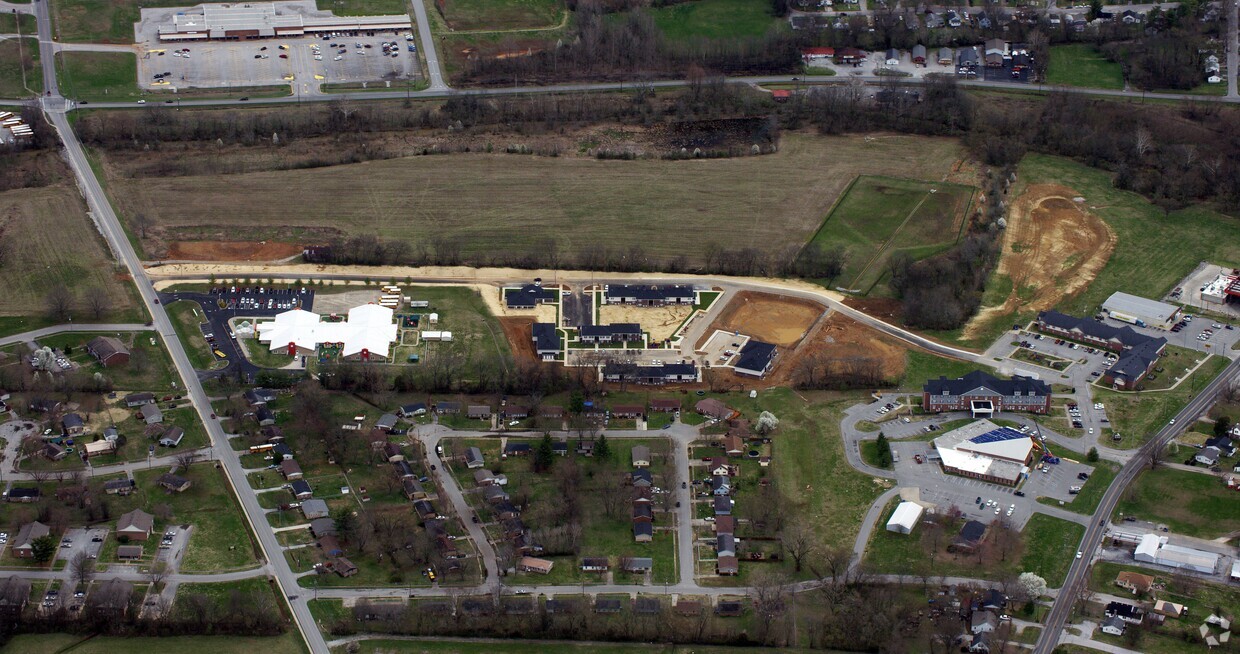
1153,549
985,394
367,332
1138,353
257,20
986,451
1141,311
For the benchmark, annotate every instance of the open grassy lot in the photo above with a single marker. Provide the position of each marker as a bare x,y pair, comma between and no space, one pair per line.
289,643
220,540
98,76
1080,64
1155,250
1050,547
1137,416
365,7
502,14
1189,503
149,368
921,366
20,75
880,216
99,21
503,202
186,318
54,244
715,19
13,23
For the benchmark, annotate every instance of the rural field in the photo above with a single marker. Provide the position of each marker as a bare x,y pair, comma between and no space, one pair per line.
51,243
505,203
879,216
465,15
20,75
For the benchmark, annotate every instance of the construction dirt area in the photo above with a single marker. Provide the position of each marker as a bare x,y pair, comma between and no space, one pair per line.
1052,249
231,250
770,318
517,331
659,322
842,338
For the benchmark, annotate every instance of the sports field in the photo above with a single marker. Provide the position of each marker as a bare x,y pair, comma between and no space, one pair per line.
511,204
880,216
50,243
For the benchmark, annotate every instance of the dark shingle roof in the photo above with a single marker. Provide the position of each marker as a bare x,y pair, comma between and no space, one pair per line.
756,356
546,336
528,296
977,378
643,292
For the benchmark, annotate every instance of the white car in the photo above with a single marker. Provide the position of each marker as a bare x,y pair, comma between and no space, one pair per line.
1078,555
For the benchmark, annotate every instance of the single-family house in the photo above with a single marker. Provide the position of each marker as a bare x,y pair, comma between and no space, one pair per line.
551,411
595,564
129,552
24,495
607,605
412,410
720,485
172,437
727,565
23,544
725,524
513,448
300,489
641,456
979,643
1169,609
320,527
643,532
281,452
892,58
264,416
1114,626
945,57
733,446
505,510
725,545
112,597
664,405
314,509
559,448
688,608
98,448
108,351
712,408
643,512
1126,612
535,565
412,488
1134,582
330,545
483,477
290,469
637,564
173,482
121,486
478,412
473,458
516,412
647,606
1225,445
260,396
447,408
919,54
547,341
719,466
136,525
53,451
72,424
641,478
402,469
983,622
628,411
529,296
392,452
111,434
494,495
386,422
1208,456
151,414
722,505
425,509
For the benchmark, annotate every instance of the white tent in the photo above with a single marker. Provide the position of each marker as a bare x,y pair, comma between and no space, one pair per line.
905,518
368,328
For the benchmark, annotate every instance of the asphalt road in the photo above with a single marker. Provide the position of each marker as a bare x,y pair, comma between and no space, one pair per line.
36,334
1096,528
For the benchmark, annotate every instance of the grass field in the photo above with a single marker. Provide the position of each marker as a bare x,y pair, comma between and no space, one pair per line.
53,244
447,646
98,76
880,216
1080,64
1189,503
289,643
715,19
11,23
220,540
20,75
506,203
1155,250
1050,547
502,14
99,21
187,324
149,368
365,7
1137,416
921,366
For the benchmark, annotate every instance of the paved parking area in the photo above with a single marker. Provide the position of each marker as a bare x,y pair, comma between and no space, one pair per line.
305,62
577,308
243,302
171,550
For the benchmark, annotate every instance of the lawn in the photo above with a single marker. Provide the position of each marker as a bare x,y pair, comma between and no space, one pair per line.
98,76
1173,636
921,366
20,75
498,202
289,643
365,7
43,220
186,318
149,367
99,21
1050,547
1081,64
1155,249
464,15
869,454
9,24
880,216
1189,503
1138,416
715,19
261,355
220,540
219,593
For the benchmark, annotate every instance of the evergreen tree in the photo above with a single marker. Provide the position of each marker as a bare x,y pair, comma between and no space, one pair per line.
884,451
544,456
601,449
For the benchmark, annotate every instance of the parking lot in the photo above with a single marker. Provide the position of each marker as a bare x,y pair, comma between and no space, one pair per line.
305,62
81,540
172,545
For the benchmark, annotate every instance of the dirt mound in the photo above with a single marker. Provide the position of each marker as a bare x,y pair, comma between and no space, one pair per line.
766,317
517,331
231,250
1052,249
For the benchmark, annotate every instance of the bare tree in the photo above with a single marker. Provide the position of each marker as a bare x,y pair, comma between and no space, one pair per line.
799,542
82,568
157,572
96,302
59,303
143,223
186,459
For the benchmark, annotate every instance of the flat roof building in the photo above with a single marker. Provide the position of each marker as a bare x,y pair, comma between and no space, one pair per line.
986,451
1141,311
256,20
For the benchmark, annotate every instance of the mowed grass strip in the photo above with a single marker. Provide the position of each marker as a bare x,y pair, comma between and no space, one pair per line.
715,19
1190,503
289,643
186,322
1081,64
106,76
20,75
502,14
52,243
512,204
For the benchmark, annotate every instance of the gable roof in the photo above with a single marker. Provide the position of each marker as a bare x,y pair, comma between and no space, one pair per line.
546,336
756,356
136,520
649,292
105,347
528,295
979,380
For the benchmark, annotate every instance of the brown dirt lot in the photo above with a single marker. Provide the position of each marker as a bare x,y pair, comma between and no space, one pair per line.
517,331
841,337
1052,249
771,318
232,250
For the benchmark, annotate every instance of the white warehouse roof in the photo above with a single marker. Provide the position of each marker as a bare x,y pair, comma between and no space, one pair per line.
1139,307
368,327
905,517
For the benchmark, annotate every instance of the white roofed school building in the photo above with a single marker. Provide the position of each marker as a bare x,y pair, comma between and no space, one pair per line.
256,20
986,451
368,332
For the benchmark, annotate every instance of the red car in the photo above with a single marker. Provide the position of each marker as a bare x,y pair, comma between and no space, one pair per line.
284,56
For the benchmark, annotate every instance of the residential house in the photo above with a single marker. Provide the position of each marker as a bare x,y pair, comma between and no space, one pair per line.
136,525
108,351
281,452
1225,445
559,448
290,469
595,564
264,416
173,482
300,489
561,606
412,410
970,536
129,552
725,524
712,408
505,510
637,564
547,341
733,446
643,532
260,396
979,643
98,448
151,414
607,605
391,452
720,485
1126,612
892,57
111,434
386,422
402,469
473,458
945,57
118,487
53,451
412,488
314,509
478,412
111,597
425,509
688,608
551,412
538,566
993,600
628,411
330,545
919,54
967,58
172,437
447,408
513,448
664,405
719,466
727,565
494,495
722,505
516,412
643,512
1130,17
72,424
14,594
725,545
22,545
1207,456
647,606
272,434
644,295
529,296
1114,626
1134,582
320,527
483,477
1169,609
641,478
983,622
641,456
